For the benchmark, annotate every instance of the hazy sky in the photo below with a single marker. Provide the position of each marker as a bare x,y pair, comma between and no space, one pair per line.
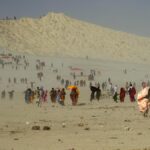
125,15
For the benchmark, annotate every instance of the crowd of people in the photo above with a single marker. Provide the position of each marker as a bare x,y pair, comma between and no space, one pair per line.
131,91
113,91
143,97
55,95
41,95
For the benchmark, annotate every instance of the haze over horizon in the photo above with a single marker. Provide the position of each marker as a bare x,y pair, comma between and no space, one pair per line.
123,15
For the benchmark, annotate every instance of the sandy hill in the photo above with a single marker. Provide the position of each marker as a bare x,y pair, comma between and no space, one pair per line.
60,35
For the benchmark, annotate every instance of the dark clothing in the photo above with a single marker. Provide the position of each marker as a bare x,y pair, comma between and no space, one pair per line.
115,97
98,94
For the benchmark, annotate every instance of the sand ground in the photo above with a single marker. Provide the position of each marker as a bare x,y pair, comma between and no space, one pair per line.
103,125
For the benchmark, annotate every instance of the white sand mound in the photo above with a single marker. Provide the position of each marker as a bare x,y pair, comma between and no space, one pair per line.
57,34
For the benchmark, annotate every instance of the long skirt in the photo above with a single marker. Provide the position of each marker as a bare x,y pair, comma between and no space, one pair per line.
74,99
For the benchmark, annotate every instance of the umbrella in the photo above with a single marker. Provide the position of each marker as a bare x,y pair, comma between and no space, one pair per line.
70,87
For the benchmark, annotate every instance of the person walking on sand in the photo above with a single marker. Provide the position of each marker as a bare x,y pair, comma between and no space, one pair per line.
93,90
122,94
74,96
41,97
58,96
62,96
53,95
45,96
98,93
132,93
115,95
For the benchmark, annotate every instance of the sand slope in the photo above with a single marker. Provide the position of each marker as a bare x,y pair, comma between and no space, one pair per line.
60,35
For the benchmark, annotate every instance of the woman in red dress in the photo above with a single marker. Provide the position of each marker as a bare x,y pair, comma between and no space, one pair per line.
122,94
